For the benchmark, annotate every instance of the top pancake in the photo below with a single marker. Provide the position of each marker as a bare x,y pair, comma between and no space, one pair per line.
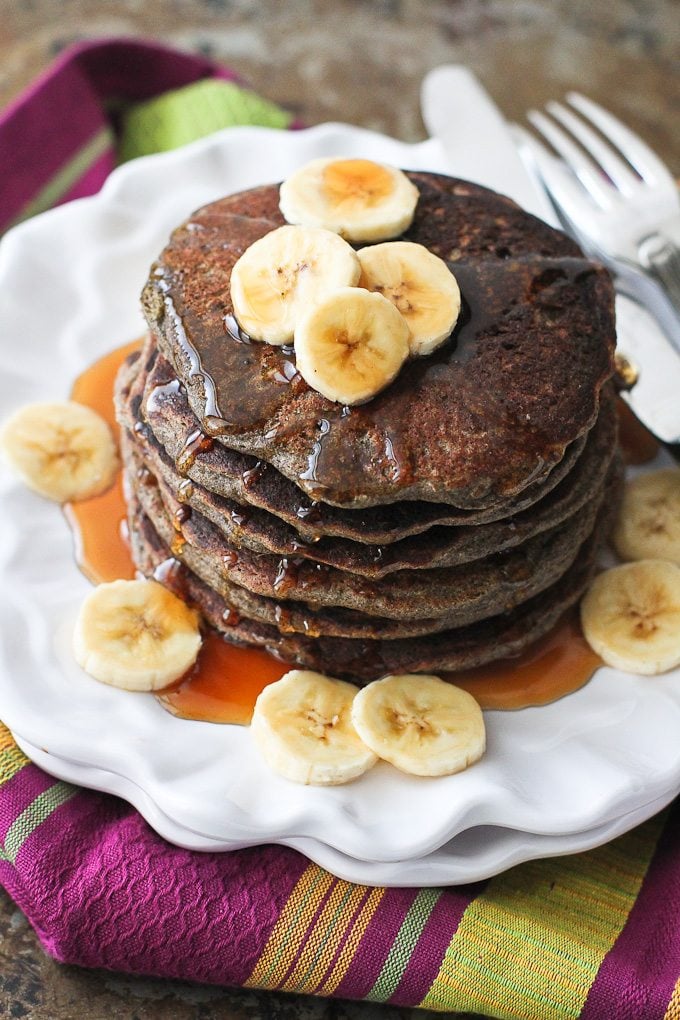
472,425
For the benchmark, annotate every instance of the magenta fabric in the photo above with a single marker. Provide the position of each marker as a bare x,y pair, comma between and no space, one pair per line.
642,971
102,890
73,101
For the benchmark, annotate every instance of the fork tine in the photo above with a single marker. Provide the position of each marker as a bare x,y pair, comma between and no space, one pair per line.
602,154
598,188
567,195
637,152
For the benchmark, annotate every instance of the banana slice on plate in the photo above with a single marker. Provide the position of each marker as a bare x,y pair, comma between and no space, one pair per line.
285,272
649,520
419,284
356,198
420,724
631,616
64,451
302,726
351,345
136,635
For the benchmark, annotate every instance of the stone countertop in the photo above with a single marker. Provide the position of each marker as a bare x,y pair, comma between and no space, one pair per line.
361,62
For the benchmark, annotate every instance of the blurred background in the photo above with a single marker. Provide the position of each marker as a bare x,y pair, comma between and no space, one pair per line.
362,61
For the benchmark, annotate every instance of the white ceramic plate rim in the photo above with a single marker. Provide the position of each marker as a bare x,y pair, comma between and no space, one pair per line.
474,855
69,282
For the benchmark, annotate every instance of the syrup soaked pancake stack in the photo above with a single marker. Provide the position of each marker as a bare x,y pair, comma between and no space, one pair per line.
447,521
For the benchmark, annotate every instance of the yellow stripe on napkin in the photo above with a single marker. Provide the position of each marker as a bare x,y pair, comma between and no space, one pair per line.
517,951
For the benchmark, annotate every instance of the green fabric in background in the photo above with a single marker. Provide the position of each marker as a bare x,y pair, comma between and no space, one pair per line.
183,115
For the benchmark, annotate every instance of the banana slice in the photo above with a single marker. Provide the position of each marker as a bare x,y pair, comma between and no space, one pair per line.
649,521
419,284
421,724
65,451
351,345
631,616
136,635
285,272
303,728
356,198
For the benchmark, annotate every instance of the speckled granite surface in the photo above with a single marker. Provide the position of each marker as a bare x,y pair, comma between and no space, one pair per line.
361,62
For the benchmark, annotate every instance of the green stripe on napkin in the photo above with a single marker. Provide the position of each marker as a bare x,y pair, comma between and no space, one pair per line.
33,816
404,944
191,112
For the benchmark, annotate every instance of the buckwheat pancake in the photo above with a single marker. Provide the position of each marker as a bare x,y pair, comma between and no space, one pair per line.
446,522
303,598
153,402
500,636
488,414
440,546
463,593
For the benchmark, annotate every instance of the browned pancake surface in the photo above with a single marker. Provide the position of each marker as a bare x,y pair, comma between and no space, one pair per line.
474,424
253,528
152,402
497,637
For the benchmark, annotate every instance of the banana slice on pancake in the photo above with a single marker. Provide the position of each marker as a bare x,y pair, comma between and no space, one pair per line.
351,345
136,635
63,450
419,284
421,724
302,726
631,616
357,198
288,270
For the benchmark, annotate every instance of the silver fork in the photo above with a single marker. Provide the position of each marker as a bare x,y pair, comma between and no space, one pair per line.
615,196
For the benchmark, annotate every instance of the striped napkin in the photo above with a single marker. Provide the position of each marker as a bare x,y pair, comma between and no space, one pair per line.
596,935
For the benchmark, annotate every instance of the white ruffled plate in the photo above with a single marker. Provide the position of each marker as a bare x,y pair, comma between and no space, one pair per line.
69,285
471,856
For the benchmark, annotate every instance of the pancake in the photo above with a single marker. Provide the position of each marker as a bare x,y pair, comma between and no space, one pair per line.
440,546
153,403
500,636
472,426
447,522
309,617
463,594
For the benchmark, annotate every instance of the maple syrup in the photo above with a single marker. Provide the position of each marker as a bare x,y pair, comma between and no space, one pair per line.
638,444
98,523
224,683
196,442
553,666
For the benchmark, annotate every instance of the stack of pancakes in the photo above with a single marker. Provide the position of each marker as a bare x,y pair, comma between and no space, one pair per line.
447,522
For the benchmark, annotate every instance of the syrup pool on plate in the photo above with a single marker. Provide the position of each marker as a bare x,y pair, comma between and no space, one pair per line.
224,683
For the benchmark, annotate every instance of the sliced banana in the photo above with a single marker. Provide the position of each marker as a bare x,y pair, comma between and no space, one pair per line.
285,272
351,345
136,635
419,284
356,198
631,616
649,521
65,451
303,728
421,724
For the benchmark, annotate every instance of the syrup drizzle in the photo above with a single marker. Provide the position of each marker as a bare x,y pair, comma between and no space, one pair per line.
196,442
196,371
224,683
638,444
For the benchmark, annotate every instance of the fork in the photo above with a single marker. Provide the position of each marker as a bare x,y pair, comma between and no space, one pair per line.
615,196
